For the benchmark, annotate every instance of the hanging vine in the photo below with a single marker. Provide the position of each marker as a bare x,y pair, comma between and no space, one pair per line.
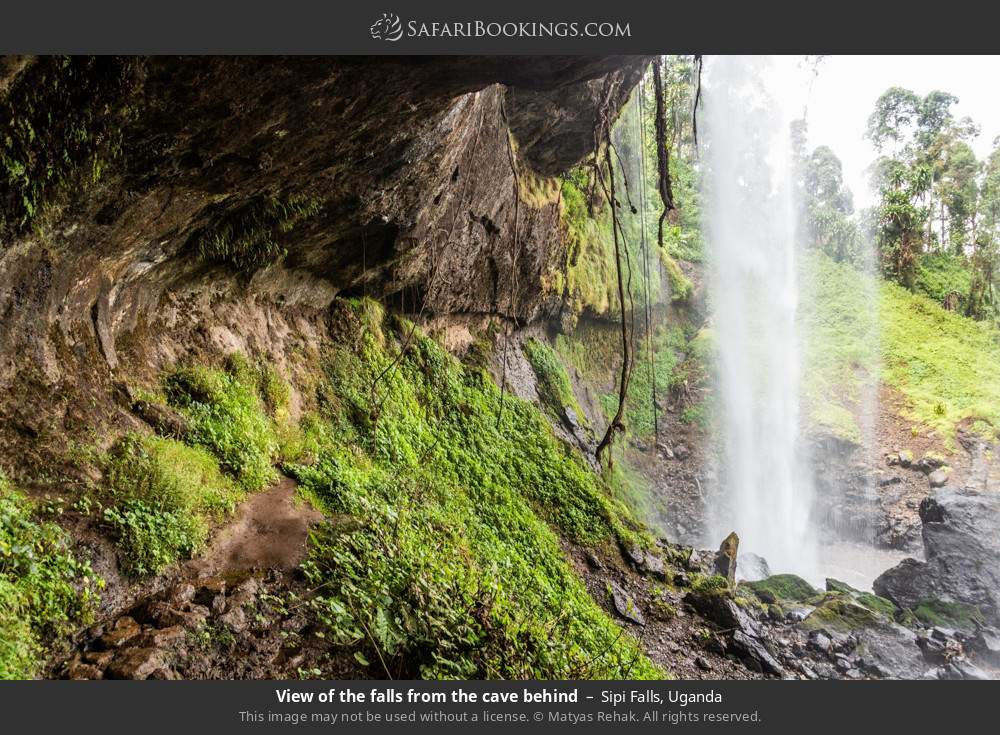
664,184
617,422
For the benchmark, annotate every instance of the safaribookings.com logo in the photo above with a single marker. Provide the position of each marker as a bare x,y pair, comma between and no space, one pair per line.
390,28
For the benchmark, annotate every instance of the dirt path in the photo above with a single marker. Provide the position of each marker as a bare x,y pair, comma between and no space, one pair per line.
269,531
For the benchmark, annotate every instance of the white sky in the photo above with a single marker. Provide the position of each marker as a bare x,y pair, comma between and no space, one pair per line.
844,92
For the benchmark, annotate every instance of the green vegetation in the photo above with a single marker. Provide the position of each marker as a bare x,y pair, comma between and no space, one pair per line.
441,560
554,388
942,363
944,278
250,238
225,411
948,614
590,264
60,124
782,588
160,498
44,589
840,614
593,349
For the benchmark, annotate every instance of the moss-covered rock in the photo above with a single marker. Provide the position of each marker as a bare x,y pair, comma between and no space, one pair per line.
876,604
947,614
782,587
840,614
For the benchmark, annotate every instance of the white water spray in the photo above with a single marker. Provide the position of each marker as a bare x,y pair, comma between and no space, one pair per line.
765,492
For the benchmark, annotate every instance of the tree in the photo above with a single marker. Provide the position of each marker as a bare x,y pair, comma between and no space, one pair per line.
827,203
899,222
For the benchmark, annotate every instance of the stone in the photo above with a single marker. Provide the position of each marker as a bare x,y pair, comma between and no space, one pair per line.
934,650
702,663
725,559
722,610
236,619
166,616
124,630
635,555
593,560
970,671
653,566
753,651
665,451
80,671
819,641
164,420
930,462
219,604
181,594
681,451
136,663
986,642
625,606
961,538
100,659
939,477
905,458
161,637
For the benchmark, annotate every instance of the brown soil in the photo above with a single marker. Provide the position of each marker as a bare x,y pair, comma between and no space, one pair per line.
269,531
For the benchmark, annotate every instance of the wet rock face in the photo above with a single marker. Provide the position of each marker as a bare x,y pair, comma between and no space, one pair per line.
388,177
961,534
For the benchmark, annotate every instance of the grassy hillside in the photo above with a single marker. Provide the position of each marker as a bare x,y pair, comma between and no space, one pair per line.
944,364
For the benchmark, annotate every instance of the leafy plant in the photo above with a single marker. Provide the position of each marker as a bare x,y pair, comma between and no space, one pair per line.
44,589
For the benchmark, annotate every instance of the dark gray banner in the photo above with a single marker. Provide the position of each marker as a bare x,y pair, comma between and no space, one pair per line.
513,26
515,707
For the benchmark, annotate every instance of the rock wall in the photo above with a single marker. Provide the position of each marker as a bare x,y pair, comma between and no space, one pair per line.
212,203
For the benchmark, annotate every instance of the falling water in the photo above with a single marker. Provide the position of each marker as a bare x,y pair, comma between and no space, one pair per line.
764,490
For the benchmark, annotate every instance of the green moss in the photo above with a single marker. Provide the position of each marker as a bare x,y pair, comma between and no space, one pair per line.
443,560
782,587
227,417
873,602
948,614
160,498
60,124
250,237
840,614
44,589
554,388
681,288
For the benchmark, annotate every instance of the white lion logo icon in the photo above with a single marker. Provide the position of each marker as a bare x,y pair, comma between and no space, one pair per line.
387,28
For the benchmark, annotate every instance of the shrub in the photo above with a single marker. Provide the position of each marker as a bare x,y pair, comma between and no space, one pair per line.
44,589
161,497
227,418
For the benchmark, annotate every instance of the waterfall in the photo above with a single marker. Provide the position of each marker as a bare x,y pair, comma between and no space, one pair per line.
764,490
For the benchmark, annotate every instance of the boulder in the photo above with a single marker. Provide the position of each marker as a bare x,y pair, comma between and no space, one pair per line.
939,477
136,663
124,630
725,559
164,420
625,605
961,537
755,654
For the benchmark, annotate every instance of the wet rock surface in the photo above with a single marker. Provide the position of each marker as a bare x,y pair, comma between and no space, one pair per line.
961,535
